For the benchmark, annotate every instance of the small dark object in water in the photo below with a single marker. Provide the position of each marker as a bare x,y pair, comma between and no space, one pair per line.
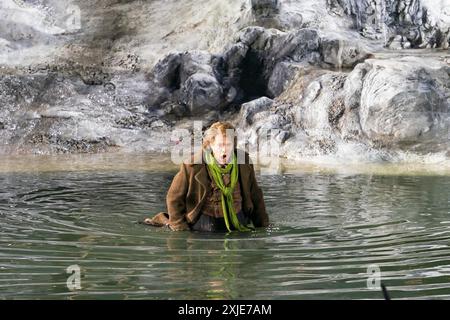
385,292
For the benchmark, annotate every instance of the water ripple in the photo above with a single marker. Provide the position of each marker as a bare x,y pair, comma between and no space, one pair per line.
325,234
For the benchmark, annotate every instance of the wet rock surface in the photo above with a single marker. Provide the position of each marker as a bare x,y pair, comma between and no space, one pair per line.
401,24
319,74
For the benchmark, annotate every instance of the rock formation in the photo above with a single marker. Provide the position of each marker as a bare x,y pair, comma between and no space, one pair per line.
111,75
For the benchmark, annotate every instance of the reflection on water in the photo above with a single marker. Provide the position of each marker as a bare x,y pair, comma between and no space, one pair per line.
327,228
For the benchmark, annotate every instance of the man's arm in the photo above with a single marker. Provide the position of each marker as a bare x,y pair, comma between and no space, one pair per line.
176,201
259,216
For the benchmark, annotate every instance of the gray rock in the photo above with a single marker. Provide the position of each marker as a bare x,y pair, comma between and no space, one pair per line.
318,109
249,109
297,45
391,104
201,92
265,7
235,55
264,61
193,62
265,12
187,78
59,113
249,35
166,72
402,102
340,53
250,68
289,62
398,23
283,73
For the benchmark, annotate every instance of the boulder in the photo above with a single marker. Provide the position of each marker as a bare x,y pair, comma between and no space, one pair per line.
402,103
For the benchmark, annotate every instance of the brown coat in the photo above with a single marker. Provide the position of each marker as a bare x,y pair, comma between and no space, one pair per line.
188,191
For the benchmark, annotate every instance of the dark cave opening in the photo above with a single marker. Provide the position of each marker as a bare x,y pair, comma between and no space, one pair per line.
174,79
252,80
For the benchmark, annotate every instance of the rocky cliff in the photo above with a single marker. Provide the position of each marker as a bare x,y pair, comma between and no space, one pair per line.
325,77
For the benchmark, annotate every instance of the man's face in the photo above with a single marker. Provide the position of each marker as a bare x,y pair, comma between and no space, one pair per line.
222,148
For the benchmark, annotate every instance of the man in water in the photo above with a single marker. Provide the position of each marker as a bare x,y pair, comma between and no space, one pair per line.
216,193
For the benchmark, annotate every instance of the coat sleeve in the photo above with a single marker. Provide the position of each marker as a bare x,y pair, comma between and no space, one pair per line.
176,201
259,216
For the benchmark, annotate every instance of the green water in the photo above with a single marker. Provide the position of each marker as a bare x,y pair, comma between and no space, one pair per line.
327,228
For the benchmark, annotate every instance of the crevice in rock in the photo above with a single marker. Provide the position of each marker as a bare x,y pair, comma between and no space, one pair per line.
174,80
252,80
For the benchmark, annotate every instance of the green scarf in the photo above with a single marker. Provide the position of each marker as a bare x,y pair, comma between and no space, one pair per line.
227,191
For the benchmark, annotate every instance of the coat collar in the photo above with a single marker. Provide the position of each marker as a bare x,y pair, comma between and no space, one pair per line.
202,177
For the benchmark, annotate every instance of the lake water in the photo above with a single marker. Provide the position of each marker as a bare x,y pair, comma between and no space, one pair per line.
331,227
